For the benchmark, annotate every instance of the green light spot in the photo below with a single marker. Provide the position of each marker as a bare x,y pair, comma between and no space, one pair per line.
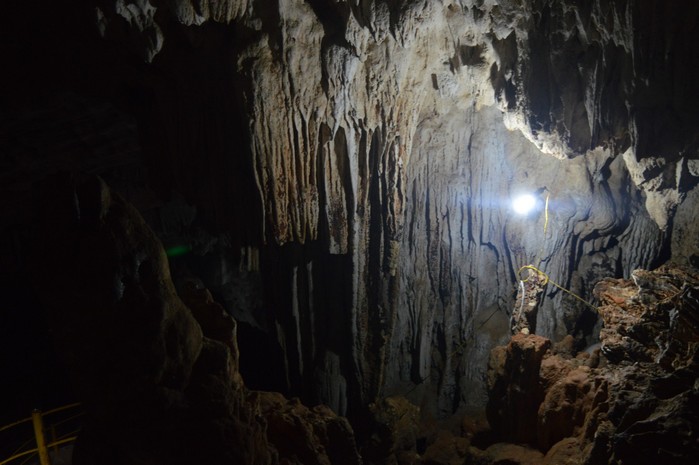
178,250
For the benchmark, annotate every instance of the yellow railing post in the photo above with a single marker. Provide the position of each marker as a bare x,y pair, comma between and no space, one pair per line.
40,440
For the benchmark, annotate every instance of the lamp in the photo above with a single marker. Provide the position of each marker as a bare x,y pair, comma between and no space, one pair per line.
523,204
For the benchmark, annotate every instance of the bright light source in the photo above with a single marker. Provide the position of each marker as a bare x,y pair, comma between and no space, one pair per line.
523,204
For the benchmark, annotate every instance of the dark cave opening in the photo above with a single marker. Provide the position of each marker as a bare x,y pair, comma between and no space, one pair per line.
36,377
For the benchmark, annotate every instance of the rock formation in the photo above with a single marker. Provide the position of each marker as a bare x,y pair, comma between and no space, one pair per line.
159,373
158,376
634,400
351,164
393,135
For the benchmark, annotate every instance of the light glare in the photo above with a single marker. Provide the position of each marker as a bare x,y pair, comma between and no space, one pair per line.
523,204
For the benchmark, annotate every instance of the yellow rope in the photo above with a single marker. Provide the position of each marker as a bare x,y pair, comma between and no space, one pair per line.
546,277
546,226
546,215
555,284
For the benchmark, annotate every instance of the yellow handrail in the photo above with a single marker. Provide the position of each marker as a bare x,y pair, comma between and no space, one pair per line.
60,442
60,409
18,422
16,456
42,447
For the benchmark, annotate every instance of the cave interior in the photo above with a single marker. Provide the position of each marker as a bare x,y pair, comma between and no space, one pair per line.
283,231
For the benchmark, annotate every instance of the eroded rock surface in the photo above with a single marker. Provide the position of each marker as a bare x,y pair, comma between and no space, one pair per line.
362,156
158,375
637,402
377,130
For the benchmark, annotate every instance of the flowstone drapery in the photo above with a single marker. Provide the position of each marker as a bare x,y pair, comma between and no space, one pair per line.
384,141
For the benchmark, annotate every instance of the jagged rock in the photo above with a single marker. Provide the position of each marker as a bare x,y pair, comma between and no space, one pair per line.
215,323
116,316
529,294
135,18
394,425
306,436
374,136
653,317
447,449
565,452
379,131
516,390
639,409
565,407
505,453
565,347
154,388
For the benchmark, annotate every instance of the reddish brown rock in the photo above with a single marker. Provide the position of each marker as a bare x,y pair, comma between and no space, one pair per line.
642,408
447,449
306,436
554,368
565,452
516,389
565,347
504,453
395,425
565,407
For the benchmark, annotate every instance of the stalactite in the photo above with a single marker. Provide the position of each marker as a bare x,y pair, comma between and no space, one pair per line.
378,133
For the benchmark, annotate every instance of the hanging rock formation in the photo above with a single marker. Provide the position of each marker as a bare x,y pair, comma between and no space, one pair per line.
367,151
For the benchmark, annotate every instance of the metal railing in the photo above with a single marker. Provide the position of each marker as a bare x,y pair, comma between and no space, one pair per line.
56,429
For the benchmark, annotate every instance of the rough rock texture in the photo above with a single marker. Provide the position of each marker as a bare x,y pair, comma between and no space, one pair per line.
515,387
105,275
637,402
659,322
158,375
303,436
378,130
395,427
367,151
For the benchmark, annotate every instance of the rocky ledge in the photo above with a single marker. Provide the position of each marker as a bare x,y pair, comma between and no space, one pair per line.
631,399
